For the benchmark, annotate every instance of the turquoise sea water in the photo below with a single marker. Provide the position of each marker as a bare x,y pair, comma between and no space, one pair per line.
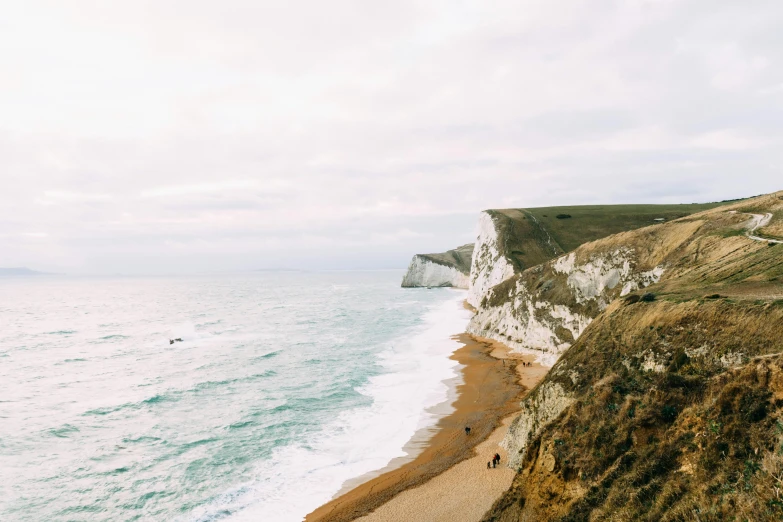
286,385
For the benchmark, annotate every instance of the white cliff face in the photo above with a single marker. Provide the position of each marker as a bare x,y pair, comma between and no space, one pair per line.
644,280
601,273
526,324
527,318
489,267
539,408
423,272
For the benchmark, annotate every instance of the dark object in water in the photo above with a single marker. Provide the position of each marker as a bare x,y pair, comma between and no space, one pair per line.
177,340
171,341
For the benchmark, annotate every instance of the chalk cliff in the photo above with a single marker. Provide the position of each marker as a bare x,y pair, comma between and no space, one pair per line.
531,296
437,270
662,325
667,397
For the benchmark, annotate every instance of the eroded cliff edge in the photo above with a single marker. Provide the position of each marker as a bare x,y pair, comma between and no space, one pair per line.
530,296
664,328
666,402
449,269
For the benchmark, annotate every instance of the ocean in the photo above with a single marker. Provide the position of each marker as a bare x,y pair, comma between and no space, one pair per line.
285,385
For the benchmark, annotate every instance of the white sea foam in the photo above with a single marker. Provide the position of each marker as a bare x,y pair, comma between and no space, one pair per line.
358,441
104,419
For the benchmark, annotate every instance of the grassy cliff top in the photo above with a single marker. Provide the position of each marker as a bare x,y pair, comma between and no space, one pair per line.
677,394
460,258
532,236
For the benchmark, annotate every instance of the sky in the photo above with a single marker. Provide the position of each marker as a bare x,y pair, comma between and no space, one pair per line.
169,136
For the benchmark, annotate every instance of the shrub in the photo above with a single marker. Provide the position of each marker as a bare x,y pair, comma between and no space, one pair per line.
631,299
668,413
563,216
648,297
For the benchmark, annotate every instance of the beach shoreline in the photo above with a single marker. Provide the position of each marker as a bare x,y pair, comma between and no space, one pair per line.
493,383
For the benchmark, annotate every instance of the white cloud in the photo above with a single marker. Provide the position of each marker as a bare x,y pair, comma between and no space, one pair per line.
56,197
160,135
728,140
212,188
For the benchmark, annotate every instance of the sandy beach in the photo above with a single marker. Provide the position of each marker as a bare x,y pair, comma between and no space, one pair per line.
449,479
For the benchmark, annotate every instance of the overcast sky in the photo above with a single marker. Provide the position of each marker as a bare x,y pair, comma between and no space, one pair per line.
163,136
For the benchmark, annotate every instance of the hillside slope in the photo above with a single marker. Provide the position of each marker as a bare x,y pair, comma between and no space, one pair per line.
512,240
668,405
546,307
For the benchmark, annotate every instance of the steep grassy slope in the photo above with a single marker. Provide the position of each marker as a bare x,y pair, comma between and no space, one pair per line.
534,235
588,223
548,306
512,240
669,405
673,418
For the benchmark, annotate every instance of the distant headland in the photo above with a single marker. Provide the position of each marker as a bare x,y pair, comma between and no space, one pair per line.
21,272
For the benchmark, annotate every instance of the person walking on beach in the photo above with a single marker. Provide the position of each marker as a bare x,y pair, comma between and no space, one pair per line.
497,458
487,464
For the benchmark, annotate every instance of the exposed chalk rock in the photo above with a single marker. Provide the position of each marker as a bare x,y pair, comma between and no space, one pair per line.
546,308
489,267
437,270
539,408
424,272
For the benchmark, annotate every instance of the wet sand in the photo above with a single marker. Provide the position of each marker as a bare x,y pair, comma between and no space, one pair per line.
494,383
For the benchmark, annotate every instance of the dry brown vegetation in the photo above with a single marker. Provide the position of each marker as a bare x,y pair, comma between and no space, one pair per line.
679,400
534,235
696,441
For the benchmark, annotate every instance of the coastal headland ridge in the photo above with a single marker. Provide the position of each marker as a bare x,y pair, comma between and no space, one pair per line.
660,395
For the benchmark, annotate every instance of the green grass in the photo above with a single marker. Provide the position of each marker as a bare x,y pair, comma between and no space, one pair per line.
588,223
532,236
459,258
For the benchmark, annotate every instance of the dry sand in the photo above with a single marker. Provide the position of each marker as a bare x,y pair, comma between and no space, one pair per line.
449,479
461,493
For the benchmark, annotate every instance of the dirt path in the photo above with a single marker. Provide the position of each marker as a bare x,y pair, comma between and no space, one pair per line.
757,221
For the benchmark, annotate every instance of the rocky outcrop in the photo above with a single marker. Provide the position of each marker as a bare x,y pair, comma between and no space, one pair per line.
449,269
546,308
491,266
538,410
